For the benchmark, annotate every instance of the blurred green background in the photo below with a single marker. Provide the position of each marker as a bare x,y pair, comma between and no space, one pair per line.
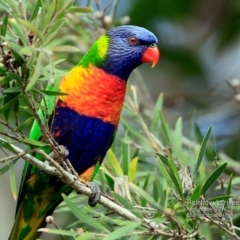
198,71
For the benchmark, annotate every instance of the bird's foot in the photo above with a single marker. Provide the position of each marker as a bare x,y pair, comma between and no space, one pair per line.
96,194
63,152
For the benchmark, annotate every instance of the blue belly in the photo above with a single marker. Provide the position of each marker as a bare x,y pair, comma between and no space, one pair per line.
87,139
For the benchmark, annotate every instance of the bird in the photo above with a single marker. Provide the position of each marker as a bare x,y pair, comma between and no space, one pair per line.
84,120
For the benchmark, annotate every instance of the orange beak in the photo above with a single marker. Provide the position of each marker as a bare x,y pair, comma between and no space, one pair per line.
151,55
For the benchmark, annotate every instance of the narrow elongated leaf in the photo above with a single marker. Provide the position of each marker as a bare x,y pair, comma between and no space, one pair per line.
114,162
9,104
86,236
196,194
132,131
80,9
35,10
125,156
177,140
155,119
122,231
203,148
18,29
220,198
4,25
146,195
25,124
165,130
81,215
14,76
7,167
64,48
4,80
36,73
13,89
213,177
132,169
4,144
175,177
127,204
3,71
229,188
165,172
13,182
33,28
33,142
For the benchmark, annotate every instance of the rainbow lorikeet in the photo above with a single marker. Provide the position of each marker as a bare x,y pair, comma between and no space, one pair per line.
84,121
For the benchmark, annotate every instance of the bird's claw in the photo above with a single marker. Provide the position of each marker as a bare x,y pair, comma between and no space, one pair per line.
63,151
96,194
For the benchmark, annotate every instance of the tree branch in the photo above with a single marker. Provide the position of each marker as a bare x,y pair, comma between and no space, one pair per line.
53,168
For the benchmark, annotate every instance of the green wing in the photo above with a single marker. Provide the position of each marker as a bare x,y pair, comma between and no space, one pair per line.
36,134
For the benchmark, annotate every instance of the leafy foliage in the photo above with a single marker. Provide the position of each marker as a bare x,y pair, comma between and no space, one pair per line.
167,181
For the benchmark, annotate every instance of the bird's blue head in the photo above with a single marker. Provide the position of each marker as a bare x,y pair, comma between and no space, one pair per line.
128,47
121,50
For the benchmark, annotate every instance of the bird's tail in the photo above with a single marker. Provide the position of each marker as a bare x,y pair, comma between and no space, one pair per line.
33,209
31,215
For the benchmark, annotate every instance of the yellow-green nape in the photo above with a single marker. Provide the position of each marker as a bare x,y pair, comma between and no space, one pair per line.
102,45
97,53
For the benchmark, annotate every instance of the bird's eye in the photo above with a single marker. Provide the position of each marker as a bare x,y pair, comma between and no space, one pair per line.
152,45
133,41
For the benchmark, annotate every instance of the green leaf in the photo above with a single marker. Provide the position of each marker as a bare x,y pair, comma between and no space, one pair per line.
54,30
13,90
33,29
86,236
126,203
164,170
125,156
33,142
165,130
14,76
35,10
134,132
219,198
175,177
9,104
229,188
64,48
155,119
80,9
4,25
3,71
196,194
203,148
13,182
36,73
146,196
7,167
5,80
4,144
28,50
18,29
111,158
16,51
177,139
25,124
132,169
84,217
213,177
164,159
130,226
